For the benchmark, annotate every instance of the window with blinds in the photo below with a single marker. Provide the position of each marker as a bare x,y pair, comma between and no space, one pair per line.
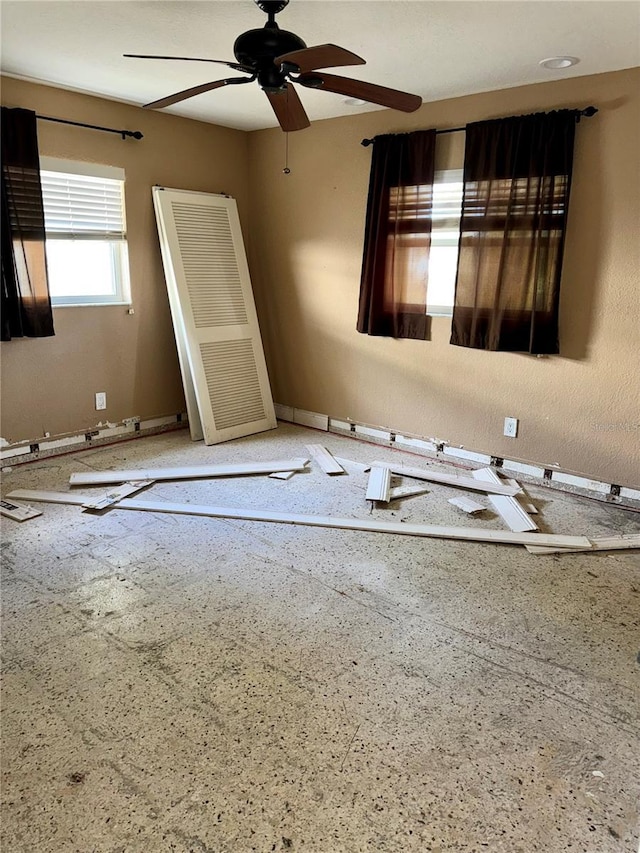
434,261
86,235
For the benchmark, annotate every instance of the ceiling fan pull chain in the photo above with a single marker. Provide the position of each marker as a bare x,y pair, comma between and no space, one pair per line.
286,170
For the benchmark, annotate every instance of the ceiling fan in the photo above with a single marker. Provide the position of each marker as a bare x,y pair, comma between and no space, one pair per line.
277,59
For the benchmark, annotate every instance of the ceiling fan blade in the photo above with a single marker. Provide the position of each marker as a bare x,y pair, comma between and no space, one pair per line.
392,98
195,90
288,108
233,65
320,56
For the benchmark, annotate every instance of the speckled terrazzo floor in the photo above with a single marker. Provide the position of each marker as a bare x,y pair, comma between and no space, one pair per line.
211,686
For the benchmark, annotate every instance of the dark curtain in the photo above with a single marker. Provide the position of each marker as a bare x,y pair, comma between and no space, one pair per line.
26,306
393,287
517,176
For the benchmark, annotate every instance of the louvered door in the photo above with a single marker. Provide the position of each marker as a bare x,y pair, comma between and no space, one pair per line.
214,316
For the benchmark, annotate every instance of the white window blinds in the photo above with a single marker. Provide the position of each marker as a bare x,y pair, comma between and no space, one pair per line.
82,207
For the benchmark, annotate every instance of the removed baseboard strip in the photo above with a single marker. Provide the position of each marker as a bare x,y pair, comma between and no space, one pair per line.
497,537
350,463
448,479
311,419
194,472
467,505
602,543
508,508
324,459
282,475
18,512
400,492
379,485
115,495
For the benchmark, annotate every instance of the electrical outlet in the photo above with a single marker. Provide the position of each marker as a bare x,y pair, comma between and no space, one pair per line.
511,427
101,400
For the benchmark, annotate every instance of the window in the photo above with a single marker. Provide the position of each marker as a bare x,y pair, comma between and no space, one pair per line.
86,240
438,265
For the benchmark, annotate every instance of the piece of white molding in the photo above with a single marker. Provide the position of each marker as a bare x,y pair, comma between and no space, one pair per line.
115,495
497,537
467,505
511,512
449,479
371,432
399,492
282,475
602,543
18,512
523,498
194,472
379,485
324,459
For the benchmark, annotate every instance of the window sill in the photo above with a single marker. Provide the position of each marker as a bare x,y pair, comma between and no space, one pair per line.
90,304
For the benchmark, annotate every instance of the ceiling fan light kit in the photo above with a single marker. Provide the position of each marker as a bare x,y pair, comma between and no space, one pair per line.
277,59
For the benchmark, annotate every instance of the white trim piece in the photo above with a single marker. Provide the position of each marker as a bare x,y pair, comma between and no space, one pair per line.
467,505
399,492
461,453
498,537
283,413
602,543
193,472
350,463
511,512
18,512
448,479
379,485
418,443
523,468
581,482
324,459
12,452
371,432
523,498
282,475
115,495
311,419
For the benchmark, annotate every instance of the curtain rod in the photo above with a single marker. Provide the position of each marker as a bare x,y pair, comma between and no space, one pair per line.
587,112
135,134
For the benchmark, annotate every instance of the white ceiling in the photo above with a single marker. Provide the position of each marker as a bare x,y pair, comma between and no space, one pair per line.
434,48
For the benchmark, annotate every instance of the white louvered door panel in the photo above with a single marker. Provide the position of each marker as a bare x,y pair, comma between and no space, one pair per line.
214,316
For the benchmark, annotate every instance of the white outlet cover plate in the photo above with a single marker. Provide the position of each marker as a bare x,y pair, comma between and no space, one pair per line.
511,427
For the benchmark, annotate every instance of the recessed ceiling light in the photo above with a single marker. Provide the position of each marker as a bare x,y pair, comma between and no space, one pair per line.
354,102
555,62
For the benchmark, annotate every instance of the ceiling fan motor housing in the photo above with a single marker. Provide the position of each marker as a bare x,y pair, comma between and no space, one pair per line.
258,48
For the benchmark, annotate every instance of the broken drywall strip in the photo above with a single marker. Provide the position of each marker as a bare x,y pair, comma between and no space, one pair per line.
370,432
311,419
602,543
581,482
448,479
324,459
399,492
283,413
379,485
630,494
18,512
513,515
523,468
467,505
460,453
334,423
416,444
498,537
96,478
117,494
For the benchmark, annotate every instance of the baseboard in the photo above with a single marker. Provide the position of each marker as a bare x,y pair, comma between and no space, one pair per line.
529,472
134,427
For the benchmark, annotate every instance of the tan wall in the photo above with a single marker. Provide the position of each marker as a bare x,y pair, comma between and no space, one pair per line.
48,384
580,410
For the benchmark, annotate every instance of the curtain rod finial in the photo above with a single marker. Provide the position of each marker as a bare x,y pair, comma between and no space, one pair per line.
367,142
